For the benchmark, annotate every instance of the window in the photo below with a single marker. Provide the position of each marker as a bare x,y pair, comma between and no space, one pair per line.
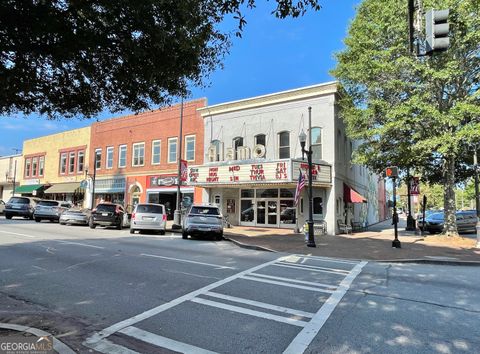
41,165
122,156
80,161
34,166
317,143
284,145
260,139
218,150
190,148
71,162
98,159
237,142
63,163
318,205
156,145
138,154
27,167
109,157
172,150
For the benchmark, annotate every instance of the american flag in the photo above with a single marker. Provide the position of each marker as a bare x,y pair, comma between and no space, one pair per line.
300,185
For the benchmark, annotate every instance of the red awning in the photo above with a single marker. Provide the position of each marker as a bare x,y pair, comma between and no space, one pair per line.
350,196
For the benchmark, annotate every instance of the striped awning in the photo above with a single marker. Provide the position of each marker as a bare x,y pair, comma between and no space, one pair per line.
70,187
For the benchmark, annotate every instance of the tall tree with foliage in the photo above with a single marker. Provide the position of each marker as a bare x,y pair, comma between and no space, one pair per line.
68,58
422,113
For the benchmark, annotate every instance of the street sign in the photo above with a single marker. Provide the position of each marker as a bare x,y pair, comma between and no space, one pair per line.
84,184
391,171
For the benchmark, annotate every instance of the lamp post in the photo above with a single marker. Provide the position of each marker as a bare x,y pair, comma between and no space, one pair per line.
477,196
303,137
177,216
410,220
93,177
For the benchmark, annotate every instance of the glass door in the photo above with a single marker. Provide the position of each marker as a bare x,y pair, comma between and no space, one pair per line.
261,213
272,212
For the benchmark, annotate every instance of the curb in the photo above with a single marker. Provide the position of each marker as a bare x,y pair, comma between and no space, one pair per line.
250,247
58,346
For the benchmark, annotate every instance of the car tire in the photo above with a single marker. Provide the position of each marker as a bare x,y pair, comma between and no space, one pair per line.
8,216
38,219
119,225
184,235
91,224
62,223
31,217
162,232
132,231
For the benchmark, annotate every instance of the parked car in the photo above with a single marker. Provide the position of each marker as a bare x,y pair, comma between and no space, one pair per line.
466,221
75,215
108,214
2,206
21,206
203,220
50,210
149,217
427,213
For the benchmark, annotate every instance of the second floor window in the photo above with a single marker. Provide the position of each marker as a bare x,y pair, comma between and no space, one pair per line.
317,143
237,142
80,161
155,152
98,159
109,157
71,162
41,165
27,167
122,156
284,145
190,148
138,154
63,163
172,150
260,139
34,166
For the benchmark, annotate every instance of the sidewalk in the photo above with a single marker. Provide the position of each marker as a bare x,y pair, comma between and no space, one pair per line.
374,244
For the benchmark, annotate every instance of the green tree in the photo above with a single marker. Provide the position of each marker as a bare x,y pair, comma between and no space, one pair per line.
422,113
68,58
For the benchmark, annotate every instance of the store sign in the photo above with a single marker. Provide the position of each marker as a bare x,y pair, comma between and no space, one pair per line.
267,172
29,182
159,181
320,173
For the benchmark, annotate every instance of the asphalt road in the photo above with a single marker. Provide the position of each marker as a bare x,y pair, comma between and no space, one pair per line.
109,291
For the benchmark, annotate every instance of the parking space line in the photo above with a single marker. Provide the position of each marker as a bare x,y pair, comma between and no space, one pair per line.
301,342
107,347
261,304
326,259
163,342
16,233
246,311
186,261
342,271
287,284
79,244
310,269
331,287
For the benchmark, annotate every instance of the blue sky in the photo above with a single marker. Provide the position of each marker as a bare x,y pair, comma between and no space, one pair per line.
272,55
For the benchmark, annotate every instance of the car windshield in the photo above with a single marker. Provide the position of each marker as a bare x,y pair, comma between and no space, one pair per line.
17,200
438,216
204,211
149,208
48,203
106,207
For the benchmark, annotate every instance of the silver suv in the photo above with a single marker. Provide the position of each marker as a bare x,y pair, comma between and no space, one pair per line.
203,220
50,210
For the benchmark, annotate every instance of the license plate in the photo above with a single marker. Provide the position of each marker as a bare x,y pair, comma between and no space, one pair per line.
16,207
104,214
149,218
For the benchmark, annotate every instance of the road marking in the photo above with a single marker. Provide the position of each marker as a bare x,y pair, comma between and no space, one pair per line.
342,271
326,259
16,233
187,261
79,244
156,310
246,311
287,285
163,342
301,342
261,304
107,347
309,269
332,287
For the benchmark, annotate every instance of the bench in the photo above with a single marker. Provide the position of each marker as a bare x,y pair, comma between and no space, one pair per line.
319,227
344,228
357,226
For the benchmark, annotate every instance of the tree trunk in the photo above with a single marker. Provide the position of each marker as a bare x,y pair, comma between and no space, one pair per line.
450,225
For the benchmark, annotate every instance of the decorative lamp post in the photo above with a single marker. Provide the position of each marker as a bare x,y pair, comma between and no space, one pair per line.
476,166
303,138
177,216
93,177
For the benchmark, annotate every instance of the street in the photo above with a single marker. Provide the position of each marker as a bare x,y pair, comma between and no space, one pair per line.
109,291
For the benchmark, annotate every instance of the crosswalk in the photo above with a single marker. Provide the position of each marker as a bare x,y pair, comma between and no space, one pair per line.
329,278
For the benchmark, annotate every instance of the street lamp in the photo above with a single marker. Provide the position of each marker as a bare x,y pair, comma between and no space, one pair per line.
303,138
476,166
93,177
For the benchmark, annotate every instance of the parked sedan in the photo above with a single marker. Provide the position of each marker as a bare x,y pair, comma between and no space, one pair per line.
75,215
205,220
466,221
50,210
148,217
21,206
427,214
108,214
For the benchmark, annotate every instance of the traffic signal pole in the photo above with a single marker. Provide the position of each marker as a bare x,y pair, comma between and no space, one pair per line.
396,242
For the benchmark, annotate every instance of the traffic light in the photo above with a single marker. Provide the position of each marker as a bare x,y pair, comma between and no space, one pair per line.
437,28
391,171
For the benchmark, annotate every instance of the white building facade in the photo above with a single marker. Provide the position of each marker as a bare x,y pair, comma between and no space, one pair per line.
10,175
253,160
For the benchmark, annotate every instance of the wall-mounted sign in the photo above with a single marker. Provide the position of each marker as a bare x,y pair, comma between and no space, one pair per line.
29,182
159,181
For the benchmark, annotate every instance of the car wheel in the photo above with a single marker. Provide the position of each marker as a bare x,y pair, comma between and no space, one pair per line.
132,231
31,217
62,223
184,235
219,237
92,224
8,216
162,232
38,219
119,225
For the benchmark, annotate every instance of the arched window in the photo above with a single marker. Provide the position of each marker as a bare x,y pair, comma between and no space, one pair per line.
284,145
237,142
218,150
317,143
260,139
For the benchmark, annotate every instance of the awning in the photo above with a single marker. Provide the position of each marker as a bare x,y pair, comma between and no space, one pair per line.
350,196
70,187
28,188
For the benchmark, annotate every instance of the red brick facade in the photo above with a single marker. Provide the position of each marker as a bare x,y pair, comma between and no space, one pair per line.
143,129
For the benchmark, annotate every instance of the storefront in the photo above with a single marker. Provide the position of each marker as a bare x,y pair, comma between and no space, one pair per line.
109,190
262,194
31,188
70,191
162,189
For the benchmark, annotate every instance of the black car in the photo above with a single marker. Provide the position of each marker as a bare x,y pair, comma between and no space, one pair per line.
21,206
108,214
466,221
